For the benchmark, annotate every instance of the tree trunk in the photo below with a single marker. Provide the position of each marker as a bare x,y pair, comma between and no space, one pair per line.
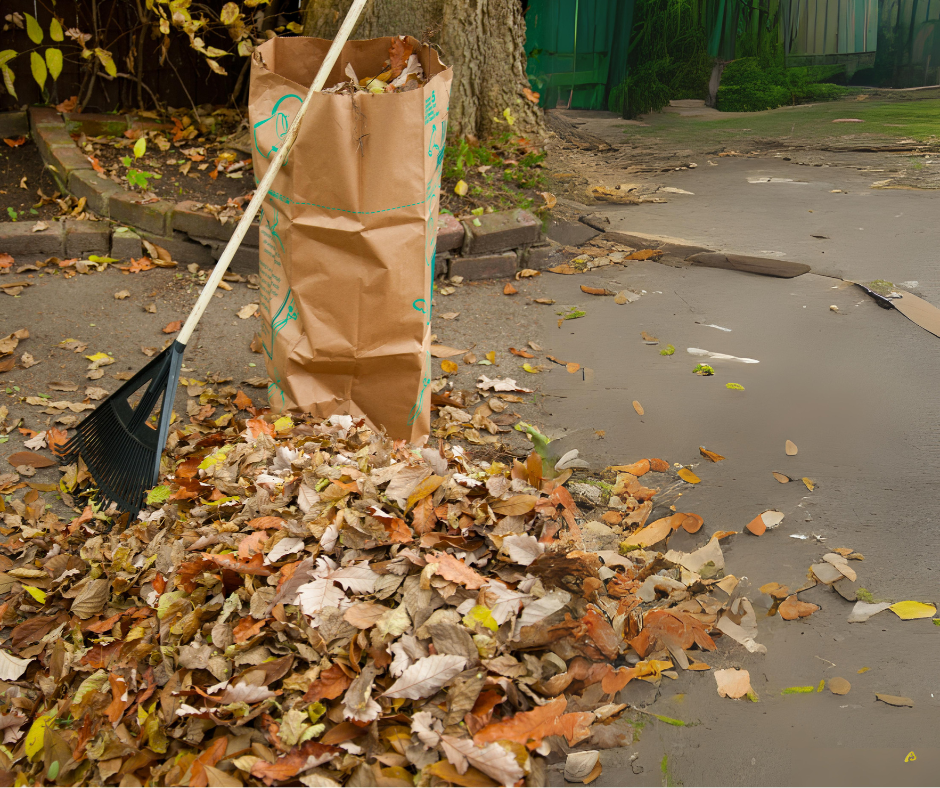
484,41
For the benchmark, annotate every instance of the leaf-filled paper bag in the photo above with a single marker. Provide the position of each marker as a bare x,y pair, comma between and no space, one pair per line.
349,234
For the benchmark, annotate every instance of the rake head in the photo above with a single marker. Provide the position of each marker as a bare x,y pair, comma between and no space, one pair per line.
119,442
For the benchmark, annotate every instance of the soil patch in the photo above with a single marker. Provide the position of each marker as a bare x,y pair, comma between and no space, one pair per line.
21,201
206,168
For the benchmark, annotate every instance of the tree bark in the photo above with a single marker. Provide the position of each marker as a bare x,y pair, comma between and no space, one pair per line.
484,41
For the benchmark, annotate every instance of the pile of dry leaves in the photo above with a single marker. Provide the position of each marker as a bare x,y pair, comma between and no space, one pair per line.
309,602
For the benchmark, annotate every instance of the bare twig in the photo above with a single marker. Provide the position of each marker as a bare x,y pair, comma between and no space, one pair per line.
183,85
140,84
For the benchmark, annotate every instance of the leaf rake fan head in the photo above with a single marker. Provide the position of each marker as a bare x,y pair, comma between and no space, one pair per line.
118,441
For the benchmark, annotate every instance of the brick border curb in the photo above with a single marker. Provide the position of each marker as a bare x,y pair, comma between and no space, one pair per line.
494,245
188,235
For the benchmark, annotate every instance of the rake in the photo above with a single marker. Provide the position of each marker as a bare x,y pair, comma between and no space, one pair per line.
117,442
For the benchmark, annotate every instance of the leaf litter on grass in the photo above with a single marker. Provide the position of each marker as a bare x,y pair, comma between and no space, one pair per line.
307,600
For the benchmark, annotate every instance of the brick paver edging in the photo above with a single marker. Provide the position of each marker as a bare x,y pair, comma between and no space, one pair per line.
494,245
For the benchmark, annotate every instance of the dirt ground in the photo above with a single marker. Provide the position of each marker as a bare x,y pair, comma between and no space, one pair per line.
19,198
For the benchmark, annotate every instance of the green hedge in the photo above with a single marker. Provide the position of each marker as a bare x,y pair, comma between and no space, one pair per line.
747,87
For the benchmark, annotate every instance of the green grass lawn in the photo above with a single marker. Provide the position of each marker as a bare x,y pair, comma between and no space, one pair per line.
910,115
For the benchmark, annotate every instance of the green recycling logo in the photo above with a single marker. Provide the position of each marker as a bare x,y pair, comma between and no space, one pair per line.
269,133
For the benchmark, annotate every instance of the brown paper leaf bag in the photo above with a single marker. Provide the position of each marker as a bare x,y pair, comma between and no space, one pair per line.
348,234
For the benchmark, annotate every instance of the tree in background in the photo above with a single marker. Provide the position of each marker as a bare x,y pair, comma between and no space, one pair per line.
484,41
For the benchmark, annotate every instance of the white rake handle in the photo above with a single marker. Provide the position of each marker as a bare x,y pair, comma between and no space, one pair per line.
261,192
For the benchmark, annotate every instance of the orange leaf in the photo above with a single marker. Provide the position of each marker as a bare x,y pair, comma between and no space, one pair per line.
209,757
228,561
692,523
172,328
636,469
398,54
397,530
56,438
645,254
639,410
15,142
68,105
30,458
456,571
522,353
509,289
247,628
710,455
242,401
138,265
530,727
117,707
792,608
252,544
265,523
259,427
659,466
332,683
756,526
617,680
572,366
599,291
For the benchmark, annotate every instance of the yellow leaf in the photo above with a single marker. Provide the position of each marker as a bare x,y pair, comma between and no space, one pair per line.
98,357
106,60
491,357
810,484
8,78
33,30
295,27
480,614
284,424
214,65
529,368
449,367
908,610
509,117
638,408
38,66
461,189
37,733
140,147
229,14
424,489
54,62
36,593
686,475
55,30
